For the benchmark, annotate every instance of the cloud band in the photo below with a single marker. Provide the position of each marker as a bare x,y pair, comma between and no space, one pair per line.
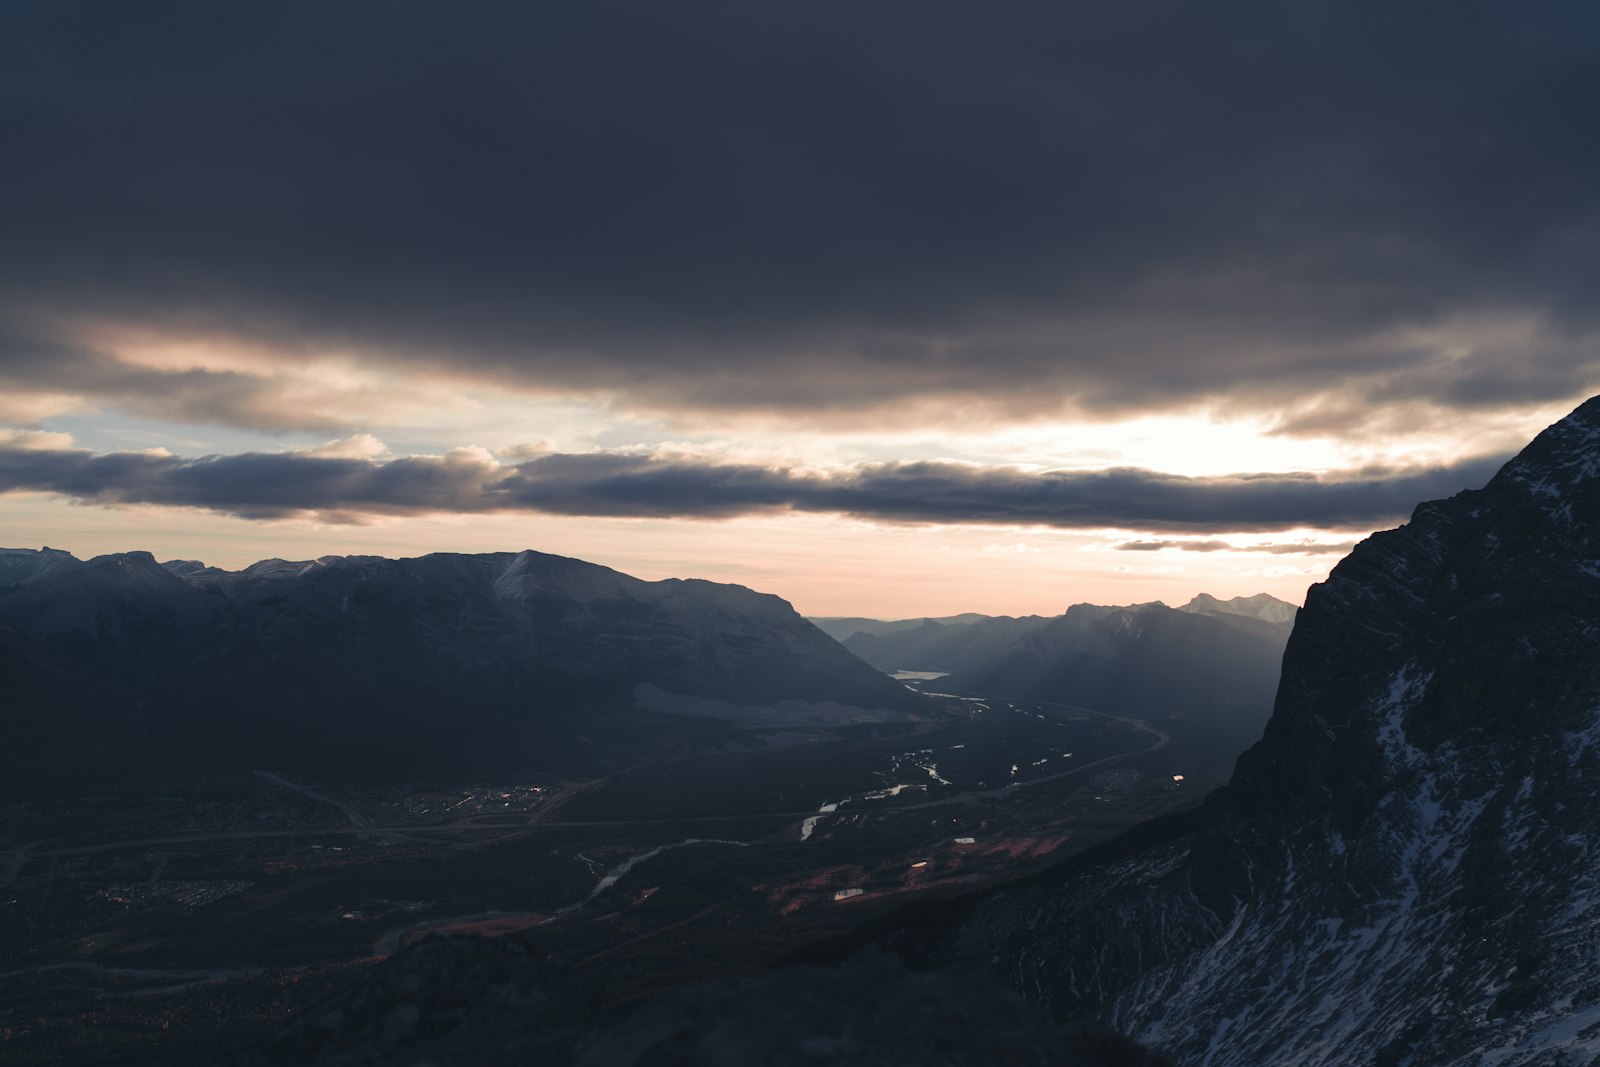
634,485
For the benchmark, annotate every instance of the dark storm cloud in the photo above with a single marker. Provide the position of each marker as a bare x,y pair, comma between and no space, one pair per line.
29,365
277,485
822,206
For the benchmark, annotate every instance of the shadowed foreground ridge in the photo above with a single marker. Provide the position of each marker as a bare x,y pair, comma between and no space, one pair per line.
1403,871
473,1003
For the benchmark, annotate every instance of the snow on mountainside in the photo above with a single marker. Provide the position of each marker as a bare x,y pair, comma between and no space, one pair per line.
1406,869
18,565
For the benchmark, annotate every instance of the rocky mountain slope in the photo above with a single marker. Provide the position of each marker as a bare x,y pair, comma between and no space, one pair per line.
487,1003
362,654
1404,870
44,698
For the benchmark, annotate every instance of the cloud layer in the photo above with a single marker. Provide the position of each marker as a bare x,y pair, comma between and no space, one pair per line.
1285,548
1320,210
337,487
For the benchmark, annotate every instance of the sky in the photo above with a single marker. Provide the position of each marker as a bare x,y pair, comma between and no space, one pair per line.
889,308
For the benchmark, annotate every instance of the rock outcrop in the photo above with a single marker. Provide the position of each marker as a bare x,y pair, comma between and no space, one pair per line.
1406,869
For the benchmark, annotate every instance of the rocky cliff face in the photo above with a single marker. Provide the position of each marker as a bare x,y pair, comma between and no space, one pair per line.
1406,869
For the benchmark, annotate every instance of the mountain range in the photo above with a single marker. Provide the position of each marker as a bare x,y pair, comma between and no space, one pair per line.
841,628
1403,870
369,658
1210,666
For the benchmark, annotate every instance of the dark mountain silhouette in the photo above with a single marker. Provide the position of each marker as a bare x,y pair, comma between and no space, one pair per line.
841,628
377,658
44,699
1213,673
1210,666
1403,870
457,1002
942,645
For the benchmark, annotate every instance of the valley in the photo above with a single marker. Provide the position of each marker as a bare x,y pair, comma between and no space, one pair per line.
177,910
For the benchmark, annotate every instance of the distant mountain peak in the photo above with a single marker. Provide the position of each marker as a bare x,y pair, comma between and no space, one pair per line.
19,565
1260,606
